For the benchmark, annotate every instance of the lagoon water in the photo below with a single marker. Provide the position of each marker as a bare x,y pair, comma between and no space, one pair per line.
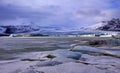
9,46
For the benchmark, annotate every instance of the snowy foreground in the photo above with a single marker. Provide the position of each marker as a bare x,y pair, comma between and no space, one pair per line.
80,59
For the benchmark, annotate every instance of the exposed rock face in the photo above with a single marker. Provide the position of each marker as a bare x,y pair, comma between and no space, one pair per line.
112,25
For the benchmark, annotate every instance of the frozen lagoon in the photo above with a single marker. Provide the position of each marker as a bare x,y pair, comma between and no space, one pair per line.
32,55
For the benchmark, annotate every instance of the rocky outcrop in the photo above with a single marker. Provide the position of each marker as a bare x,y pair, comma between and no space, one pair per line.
112,25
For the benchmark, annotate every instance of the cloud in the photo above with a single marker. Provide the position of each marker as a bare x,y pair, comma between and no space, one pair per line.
72,13
87,12
14,13
108,14
11,12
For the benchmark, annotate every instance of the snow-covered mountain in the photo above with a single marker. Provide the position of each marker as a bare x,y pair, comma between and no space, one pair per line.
17,29
112,25
31,28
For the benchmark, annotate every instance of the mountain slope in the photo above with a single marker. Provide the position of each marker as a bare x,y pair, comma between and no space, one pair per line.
17,29
112,25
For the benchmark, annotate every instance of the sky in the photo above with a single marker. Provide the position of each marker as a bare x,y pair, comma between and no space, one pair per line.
62,13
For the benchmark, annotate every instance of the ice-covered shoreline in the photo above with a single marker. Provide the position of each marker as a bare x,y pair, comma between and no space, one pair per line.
63,61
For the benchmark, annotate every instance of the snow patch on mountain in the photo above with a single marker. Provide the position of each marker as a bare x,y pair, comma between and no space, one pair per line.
95,26
2,30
